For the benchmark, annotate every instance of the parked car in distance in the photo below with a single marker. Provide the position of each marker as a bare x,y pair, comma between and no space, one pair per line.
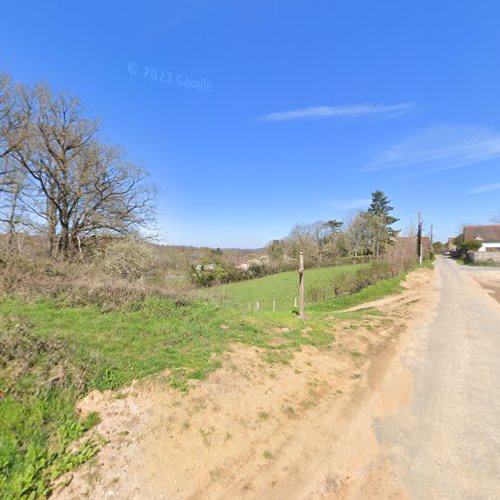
447,253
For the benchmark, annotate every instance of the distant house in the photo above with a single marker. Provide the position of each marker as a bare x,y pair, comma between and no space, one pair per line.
411,244
488,235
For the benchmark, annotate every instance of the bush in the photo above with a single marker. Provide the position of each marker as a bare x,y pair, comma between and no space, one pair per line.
39,385
72,283
469,246
256,268
347,283
128,258
206,275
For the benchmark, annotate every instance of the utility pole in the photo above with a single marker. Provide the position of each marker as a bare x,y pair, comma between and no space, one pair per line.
301,285
419,240
432,239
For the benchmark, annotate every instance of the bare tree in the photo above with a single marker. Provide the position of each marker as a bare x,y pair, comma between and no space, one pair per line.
82,186
10,204
303,238
6,119
336,245
411,230
113,195
361,233
12,121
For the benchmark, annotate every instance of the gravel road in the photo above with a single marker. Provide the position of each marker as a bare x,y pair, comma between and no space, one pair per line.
446,444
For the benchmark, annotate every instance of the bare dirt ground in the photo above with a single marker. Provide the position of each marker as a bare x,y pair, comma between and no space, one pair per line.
259,430
489,279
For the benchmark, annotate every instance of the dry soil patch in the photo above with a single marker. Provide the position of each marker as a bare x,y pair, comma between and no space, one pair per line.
260,430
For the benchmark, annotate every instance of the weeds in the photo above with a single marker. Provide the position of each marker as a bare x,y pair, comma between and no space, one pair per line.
263,415
207,436
39,385
52,352
289,411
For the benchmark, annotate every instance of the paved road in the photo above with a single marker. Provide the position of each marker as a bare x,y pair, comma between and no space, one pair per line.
447,443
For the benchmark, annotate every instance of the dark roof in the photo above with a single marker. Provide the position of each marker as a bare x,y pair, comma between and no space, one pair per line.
426,241
490,232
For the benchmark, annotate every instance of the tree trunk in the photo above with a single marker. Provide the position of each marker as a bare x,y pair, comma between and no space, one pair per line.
51,228
12,220
64,242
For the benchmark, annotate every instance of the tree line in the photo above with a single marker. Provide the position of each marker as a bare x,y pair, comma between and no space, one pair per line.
368,233
59,177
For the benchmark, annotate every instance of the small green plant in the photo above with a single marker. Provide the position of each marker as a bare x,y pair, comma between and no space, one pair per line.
263,415
278,356
207,436
268,455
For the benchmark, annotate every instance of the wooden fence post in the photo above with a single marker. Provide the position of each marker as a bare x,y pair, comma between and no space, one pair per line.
301,285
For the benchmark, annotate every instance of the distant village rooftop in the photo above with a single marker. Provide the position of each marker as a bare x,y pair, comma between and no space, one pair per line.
487,233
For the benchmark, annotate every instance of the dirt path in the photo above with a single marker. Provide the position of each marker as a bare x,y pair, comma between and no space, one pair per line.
254,430
446,444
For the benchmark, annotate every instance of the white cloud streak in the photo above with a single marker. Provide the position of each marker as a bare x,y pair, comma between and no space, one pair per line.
338,111
486,188
439,148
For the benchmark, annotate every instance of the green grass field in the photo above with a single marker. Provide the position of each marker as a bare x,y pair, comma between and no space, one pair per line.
51,355
282,287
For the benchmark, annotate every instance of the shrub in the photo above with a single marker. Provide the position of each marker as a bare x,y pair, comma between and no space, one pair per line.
346,282
206,275
73,284
469,246
256,268
128,258
39,385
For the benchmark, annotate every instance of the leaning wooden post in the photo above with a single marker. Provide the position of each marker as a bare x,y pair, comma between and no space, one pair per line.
301,285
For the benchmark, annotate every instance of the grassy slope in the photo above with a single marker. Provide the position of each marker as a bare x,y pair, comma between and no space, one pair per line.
282,287
369,294
110,349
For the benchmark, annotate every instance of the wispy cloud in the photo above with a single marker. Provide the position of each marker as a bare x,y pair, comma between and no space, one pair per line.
340,111
351,204
439,148
485,188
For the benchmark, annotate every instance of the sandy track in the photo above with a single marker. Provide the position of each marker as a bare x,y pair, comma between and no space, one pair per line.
254,430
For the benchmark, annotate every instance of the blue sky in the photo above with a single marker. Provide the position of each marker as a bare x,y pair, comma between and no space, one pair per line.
302,108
